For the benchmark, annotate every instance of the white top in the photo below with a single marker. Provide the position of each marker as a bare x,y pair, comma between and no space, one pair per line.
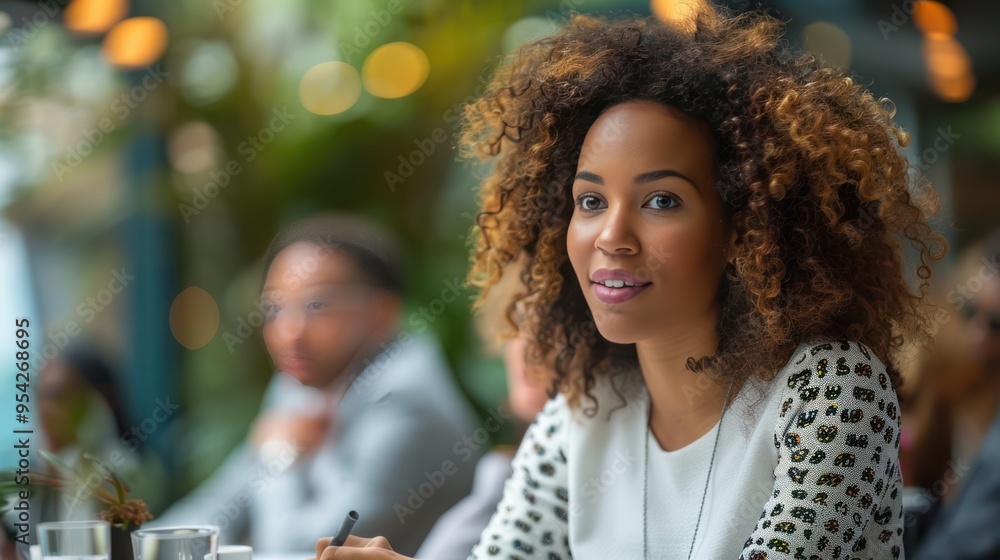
678,479
811,471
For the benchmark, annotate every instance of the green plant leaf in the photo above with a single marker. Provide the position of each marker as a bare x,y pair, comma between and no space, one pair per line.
59,463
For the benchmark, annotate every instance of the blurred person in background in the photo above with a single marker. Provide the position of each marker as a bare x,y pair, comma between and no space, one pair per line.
937,380
459,529
956,425
361,415
84,426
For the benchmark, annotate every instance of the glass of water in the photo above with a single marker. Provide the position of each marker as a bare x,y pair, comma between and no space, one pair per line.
75,540
190,542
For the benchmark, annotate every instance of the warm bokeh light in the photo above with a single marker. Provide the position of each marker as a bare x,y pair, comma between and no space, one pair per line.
676,12
949,70
395,70
94,16
945,56
828,42
954,89
330,88
135,42
194,148
934,17
194,318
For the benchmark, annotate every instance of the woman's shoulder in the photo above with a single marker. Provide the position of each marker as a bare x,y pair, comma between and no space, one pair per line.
551,422
834,359
841,378
556,409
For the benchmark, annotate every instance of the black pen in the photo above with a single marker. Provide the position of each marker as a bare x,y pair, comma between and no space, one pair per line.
345,529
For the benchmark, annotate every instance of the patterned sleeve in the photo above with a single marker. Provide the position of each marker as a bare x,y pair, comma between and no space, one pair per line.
531,520
837,441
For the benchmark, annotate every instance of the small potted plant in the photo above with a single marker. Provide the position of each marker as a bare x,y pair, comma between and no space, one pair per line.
125,514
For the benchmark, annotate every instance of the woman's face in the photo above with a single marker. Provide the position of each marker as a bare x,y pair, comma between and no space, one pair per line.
647,212
318,313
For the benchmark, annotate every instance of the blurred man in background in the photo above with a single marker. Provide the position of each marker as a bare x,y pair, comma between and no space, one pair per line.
361,416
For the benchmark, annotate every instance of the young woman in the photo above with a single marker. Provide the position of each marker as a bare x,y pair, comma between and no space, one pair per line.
714,223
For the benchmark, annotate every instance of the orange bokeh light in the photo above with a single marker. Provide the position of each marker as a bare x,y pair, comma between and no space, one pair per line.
194,318
94,16
949,69
135,42
934,17
945,56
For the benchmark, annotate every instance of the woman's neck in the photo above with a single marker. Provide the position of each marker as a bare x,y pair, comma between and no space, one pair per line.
684,405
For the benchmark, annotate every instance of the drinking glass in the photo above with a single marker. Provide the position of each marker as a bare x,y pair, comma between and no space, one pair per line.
190,542
75,540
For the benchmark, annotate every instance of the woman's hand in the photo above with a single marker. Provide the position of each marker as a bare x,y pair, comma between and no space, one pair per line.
355,547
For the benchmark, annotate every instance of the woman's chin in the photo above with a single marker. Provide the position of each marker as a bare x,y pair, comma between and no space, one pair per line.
616,334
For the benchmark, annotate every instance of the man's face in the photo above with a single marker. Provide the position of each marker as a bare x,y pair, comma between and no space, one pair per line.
319,313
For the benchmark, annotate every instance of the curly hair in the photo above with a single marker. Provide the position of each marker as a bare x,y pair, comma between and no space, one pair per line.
808,163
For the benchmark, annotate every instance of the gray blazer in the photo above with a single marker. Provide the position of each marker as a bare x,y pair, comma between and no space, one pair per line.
403,450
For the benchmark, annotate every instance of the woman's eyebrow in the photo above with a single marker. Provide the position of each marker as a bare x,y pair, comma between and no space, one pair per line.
646,177
590,177
651,176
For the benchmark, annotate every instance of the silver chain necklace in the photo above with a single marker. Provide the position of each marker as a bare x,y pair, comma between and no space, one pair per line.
645,479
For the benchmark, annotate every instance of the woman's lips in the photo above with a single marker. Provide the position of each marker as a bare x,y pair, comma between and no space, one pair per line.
617,295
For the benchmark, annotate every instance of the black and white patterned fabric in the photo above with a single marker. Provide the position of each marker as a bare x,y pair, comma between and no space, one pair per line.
833,469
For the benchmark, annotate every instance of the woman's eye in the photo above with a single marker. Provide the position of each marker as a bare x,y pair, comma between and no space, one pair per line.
316,306
270,309
665,202
588,202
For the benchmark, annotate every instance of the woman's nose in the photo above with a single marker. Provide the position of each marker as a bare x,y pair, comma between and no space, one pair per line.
291,324
617,235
